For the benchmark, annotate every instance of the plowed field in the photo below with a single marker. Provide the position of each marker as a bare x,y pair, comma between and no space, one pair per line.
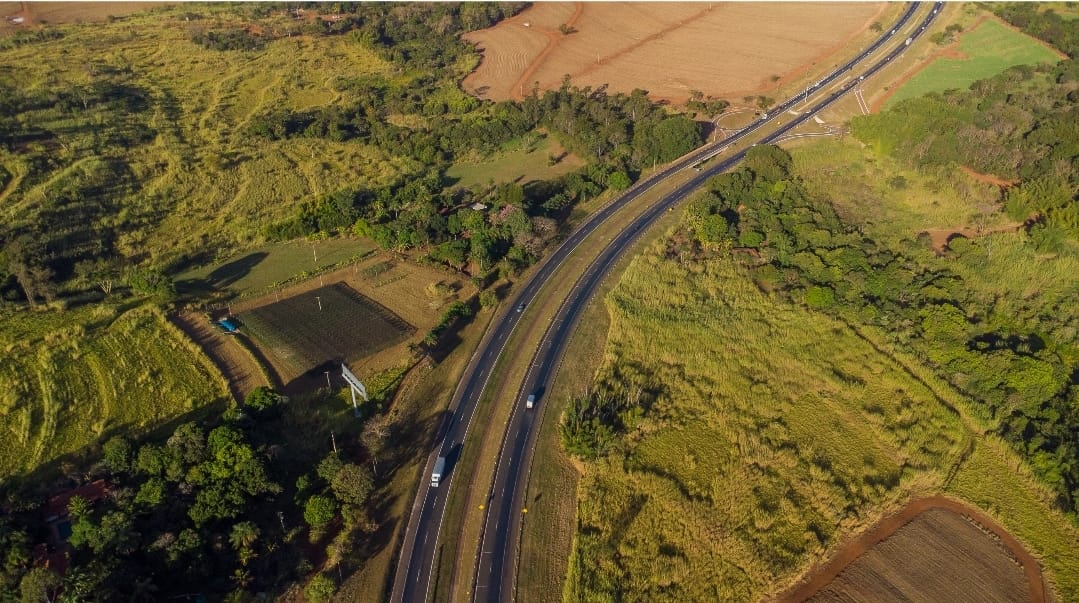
936,549
721,49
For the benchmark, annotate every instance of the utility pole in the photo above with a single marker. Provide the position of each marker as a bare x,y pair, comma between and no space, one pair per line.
328,386
319,300
333,441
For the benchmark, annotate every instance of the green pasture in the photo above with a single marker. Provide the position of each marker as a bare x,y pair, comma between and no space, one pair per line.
989,49
260,269
65,388
521,162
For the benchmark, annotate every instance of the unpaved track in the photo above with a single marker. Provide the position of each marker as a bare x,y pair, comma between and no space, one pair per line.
821,576
234,363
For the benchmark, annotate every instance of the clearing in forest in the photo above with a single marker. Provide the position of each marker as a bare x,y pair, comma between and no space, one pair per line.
669,49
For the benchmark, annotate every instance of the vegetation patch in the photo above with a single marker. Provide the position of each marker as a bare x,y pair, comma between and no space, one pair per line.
328,325
63,389
533,157
985,51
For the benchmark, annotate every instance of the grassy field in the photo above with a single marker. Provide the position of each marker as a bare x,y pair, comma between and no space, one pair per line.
328,324
522,161
776,432
199,181
65,388
260,269
987,50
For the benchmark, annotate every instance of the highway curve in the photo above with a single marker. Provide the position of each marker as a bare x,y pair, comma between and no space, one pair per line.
496,570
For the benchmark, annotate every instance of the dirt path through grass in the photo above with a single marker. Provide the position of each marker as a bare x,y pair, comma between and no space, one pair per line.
821,576
234,363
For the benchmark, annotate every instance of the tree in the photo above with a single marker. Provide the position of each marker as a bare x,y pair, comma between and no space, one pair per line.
319,511
261,398
352,485
618,181
320,589
117,454
243,535
374,436
40,585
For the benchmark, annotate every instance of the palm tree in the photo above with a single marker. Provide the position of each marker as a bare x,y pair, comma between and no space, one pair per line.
244,534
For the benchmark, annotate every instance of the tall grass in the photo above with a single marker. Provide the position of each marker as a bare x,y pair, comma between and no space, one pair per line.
777,432
72,387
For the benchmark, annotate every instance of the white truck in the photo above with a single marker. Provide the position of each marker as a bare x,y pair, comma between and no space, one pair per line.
440,468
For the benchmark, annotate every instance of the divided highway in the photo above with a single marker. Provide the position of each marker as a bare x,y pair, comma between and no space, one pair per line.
496,572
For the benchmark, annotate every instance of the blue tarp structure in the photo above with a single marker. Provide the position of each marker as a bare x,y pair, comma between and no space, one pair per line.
228,325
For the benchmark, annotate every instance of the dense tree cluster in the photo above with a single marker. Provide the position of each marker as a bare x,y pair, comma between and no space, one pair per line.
202,511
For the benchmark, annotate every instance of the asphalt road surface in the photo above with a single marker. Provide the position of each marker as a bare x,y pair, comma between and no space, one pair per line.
496,571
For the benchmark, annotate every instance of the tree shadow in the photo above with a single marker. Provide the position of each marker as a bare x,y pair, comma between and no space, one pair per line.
223,276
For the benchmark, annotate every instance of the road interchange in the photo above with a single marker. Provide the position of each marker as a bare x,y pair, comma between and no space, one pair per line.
495,574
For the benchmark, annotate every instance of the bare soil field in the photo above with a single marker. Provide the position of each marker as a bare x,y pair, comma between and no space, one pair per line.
935,549
721,49
36,13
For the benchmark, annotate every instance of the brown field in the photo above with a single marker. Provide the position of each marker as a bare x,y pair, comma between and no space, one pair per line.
721,49
935,549
36,13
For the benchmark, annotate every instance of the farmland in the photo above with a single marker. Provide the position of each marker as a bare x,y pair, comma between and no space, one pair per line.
668,49
260,270
327,325
983,52
64,389
956,561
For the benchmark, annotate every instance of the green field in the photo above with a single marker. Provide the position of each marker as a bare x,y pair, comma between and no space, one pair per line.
521,162
63,389
260,269
990,49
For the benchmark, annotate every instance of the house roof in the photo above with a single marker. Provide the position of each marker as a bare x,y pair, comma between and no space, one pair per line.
56,507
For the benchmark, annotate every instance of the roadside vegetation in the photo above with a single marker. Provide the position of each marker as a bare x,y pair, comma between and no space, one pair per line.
759,403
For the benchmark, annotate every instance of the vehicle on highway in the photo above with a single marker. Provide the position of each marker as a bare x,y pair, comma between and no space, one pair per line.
521,307
440,468
530,400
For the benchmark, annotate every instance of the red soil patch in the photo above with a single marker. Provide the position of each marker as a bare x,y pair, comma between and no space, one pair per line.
940,237
988,178
822,576
669,49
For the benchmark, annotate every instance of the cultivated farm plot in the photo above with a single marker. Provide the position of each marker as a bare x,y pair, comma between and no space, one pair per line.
324,325
938,556
74,387
669,49
983,52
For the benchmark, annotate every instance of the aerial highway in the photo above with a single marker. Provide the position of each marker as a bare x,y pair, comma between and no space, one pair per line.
496,570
